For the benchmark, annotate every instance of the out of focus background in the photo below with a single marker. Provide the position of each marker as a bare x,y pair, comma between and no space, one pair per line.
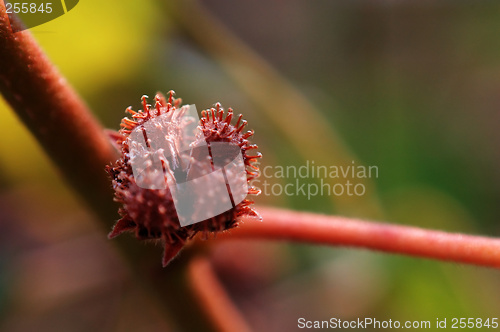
412,87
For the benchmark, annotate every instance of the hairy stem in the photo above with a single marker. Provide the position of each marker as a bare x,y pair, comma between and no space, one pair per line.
405,240
76,143
56,116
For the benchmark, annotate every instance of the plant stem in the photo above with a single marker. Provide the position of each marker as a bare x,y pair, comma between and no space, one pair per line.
56,116
331,230
76,143
214,299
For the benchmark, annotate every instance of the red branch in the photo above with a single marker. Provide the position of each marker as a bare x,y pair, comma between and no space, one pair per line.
56,116
331,230
214,299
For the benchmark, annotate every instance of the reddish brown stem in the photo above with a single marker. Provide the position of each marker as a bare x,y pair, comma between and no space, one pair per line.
331,230
77,145
55,115
214,299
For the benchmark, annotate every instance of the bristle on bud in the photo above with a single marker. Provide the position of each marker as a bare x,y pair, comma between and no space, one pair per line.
150,213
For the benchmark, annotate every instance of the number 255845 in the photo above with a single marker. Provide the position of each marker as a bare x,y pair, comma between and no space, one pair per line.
27,7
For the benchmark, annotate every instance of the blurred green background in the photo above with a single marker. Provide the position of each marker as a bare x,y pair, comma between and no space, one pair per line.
412,87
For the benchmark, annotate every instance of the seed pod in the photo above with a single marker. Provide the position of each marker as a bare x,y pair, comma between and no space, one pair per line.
151,213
